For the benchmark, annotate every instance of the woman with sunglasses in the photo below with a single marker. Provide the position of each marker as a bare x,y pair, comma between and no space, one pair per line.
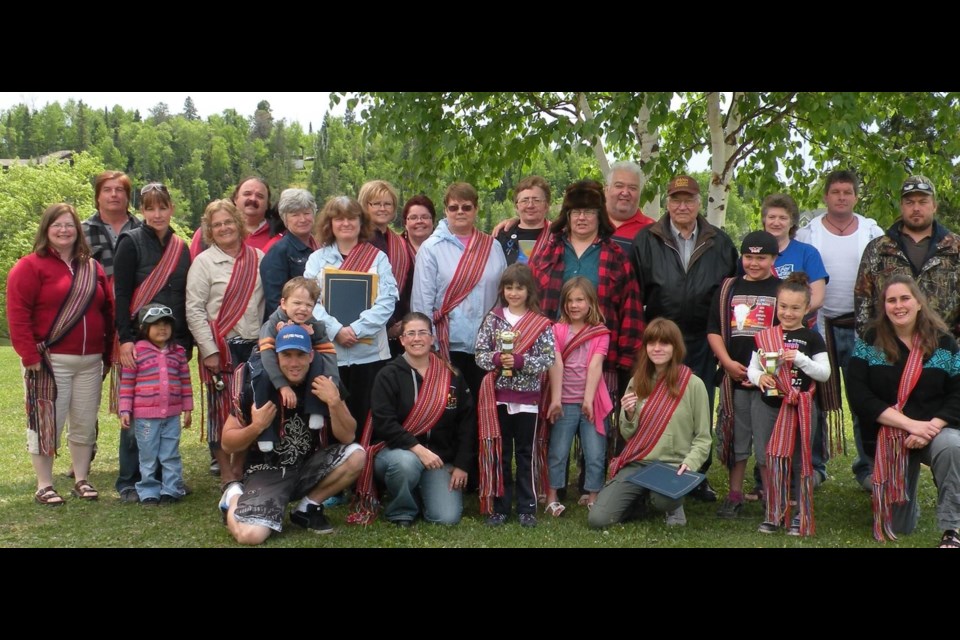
224,313
151,265
60,314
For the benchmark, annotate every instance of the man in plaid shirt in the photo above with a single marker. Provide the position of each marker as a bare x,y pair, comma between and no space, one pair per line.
112,194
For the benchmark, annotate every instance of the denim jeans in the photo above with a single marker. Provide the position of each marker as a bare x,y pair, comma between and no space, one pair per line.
409,485
158,441
843,339
594,448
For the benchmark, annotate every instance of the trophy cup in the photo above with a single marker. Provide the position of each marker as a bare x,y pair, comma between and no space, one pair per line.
507,338
770,361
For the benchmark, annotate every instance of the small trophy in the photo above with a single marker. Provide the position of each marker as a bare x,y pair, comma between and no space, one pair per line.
507,338
770,361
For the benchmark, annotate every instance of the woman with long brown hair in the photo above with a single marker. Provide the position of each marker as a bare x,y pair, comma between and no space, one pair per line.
664,417
60,313
904,384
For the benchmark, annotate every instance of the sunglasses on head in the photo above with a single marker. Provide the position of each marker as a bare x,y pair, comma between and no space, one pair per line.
917,186
158,312
153,186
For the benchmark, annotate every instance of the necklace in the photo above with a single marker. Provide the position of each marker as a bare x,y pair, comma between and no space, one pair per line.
840,230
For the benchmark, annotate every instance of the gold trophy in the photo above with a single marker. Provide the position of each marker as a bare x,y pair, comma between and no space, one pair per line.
770,361
507,338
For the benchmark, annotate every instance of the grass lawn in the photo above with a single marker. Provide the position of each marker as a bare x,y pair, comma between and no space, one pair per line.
842,509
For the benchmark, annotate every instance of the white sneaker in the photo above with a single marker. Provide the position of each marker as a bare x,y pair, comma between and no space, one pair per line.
677,518
233,489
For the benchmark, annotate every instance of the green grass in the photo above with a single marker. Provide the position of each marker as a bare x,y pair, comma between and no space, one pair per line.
842,509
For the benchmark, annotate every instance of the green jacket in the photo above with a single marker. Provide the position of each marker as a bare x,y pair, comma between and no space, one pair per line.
687,438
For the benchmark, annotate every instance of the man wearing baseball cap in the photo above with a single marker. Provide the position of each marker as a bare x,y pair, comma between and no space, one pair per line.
918,246
299,467
680,261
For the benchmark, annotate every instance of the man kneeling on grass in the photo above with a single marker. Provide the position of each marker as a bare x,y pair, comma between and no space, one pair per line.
301,465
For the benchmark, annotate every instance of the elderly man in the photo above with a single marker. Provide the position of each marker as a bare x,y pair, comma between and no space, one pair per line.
623,196
300,466
680,261
840,235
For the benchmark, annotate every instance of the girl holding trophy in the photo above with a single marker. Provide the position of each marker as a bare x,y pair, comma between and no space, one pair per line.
789,360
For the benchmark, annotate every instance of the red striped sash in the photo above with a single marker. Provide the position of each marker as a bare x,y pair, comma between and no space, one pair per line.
584,336
890,465
528,329
652,421
465,279
142,295
236,299
426,413
541,241
41,386
796,412
725,409
401,261
360,258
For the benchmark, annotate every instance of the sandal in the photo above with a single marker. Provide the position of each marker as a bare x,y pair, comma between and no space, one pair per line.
555,509
584,499
48,496
84,490
949,540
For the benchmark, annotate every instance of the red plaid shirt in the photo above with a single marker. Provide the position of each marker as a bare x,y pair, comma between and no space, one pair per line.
618,292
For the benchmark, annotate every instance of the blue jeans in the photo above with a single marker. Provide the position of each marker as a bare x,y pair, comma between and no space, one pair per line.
843,339
594,449
409,484
158,440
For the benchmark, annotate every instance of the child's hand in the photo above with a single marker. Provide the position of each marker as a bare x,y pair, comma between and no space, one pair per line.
629,403
767,381
506,360
789,355
282,324
187,420
124,420
288,397
587,409
554,411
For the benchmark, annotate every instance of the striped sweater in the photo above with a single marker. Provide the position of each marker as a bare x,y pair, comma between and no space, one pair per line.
159,386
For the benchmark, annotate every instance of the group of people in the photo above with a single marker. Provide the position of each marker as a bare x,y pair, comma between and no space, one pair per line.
479,358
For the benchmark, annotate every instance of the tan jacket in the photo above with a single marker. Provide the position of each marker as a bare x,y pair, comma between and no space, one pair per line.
206,283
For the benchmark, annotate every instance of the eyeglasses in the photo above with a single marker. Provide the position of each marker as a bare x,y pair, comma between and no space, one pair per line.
422,333
388,204
226,223
65,226
415,218
689,202
916,186
523,202
466,208
153,186
583,213
160,312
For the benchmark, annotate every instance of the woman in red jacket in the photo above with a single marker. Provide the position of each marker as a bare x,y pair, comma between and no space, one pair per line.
60,312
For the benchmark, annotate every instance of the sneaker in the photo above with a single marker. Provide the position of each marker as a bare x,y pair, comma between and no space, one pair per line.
214,467
819,477
128,495
867,483
527,520
403,524
496,519
232,489
768,527
150,502
677,517
335,501
729,509
794,529
312,519
168,500
704,492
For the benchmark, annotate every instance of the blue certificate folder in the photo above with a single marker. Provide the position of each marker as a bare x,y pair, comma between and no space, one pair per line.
663,479
347,294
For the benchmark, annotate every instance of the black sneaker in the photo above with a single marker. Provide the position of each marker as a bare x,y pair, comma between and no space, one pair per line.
312,519
704,492
167,500
527,520
768,527
496,519
729,509
150,502
128,495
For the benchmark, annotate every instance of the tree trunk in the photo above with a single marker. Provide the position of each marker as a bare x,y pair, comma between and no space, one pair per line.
649,150
722,147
